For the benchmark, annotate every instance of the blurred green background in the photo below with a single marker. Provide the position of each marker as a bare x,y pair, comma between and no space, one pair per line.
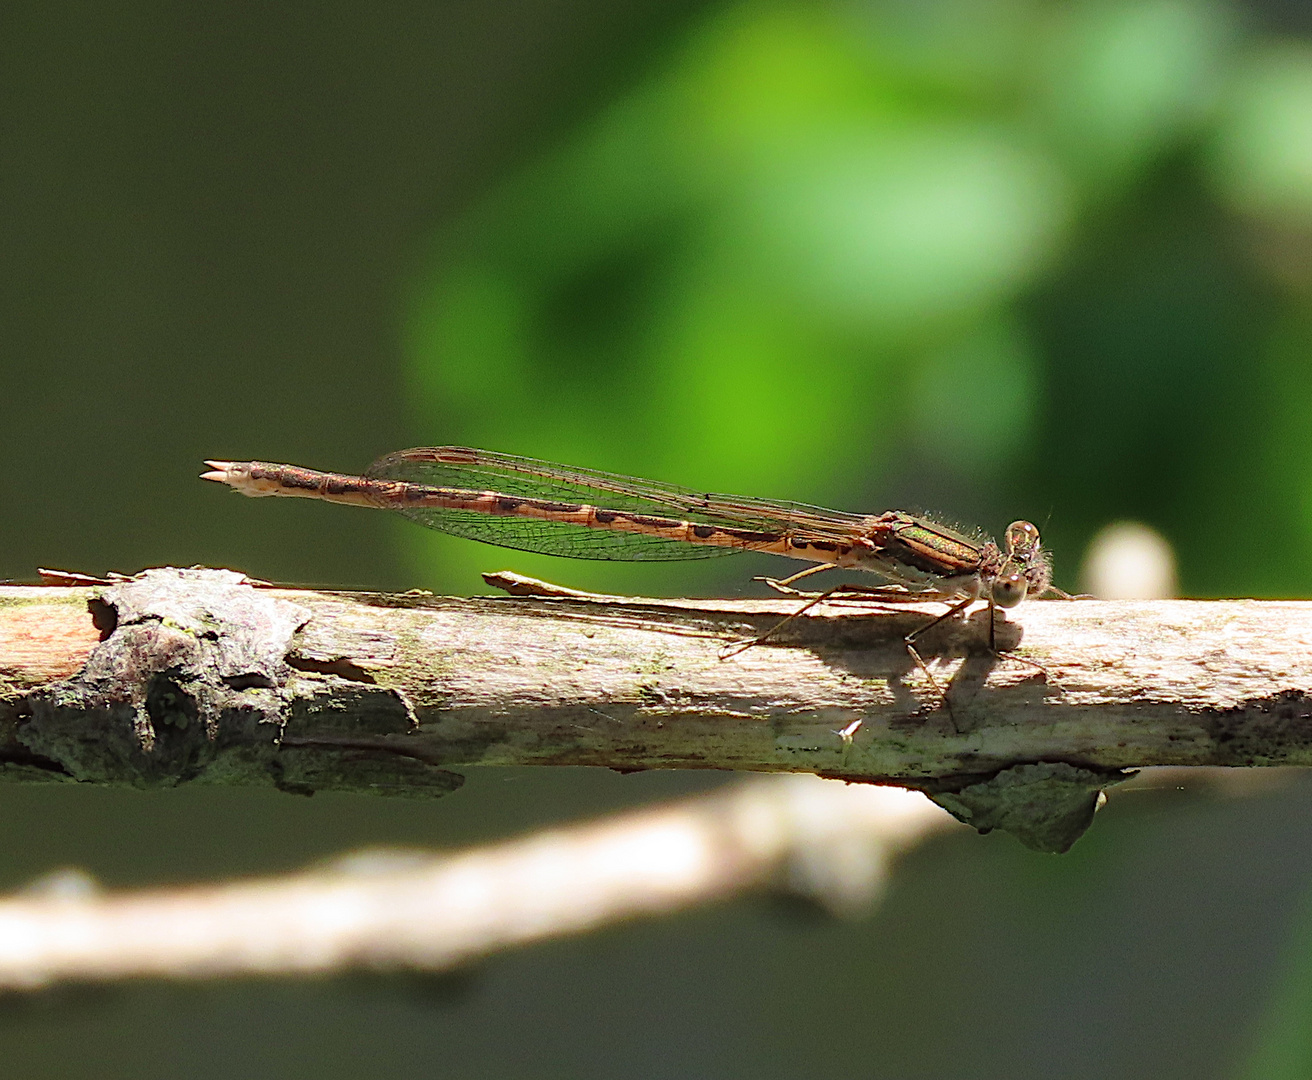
989,258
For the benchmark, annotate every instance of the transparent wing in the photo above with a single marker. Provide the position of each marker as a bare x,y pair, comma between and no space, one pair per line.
466,470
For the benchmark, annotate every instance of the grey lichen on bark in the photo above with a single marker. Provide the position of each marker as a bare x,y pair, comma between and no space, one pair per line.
198,675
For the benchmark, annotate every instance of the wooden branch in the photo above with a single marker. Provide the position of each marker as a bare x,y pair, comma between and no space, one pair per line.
197,674
388,910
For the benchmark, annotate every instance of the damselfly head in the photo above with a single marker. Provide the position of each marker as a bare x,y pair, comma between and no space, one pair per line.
1026,568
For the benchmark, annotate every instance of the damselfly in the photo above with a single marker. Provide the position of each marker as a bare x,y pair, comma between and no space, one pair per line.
518,502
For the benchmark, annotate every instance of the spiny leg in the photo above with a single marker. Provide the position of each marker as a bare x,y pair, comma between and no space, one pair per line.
859,590
910,640
993,648
783,585
815,598
865,590
727,652
807,572
889,594
1010,655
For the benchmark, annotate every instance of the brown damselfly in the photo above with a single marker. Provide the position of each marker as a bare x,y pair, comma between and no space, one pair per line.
518,502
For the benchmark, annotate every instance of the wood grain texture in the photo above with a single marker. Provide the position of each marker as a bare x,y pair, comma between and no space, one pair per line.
47,636
206,677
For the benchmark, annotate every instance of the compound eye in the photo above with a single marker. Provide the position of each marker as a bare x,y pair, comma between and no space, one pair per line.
1009,590
1022,537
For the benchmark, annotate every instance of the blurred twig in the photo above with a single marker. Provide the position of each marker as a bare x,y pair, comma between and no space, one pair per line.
396,910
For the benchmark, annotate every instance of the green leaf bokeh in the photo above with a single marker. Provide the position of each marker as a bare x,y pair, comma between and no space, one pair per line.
989,260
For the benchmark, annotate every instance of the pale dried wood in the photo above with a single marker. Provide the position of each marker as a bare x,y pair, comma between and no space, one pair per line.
381,692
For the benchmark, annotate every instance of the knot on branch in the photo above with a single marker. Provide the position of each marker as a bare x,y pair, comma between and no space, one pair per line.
1047,806
182,650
